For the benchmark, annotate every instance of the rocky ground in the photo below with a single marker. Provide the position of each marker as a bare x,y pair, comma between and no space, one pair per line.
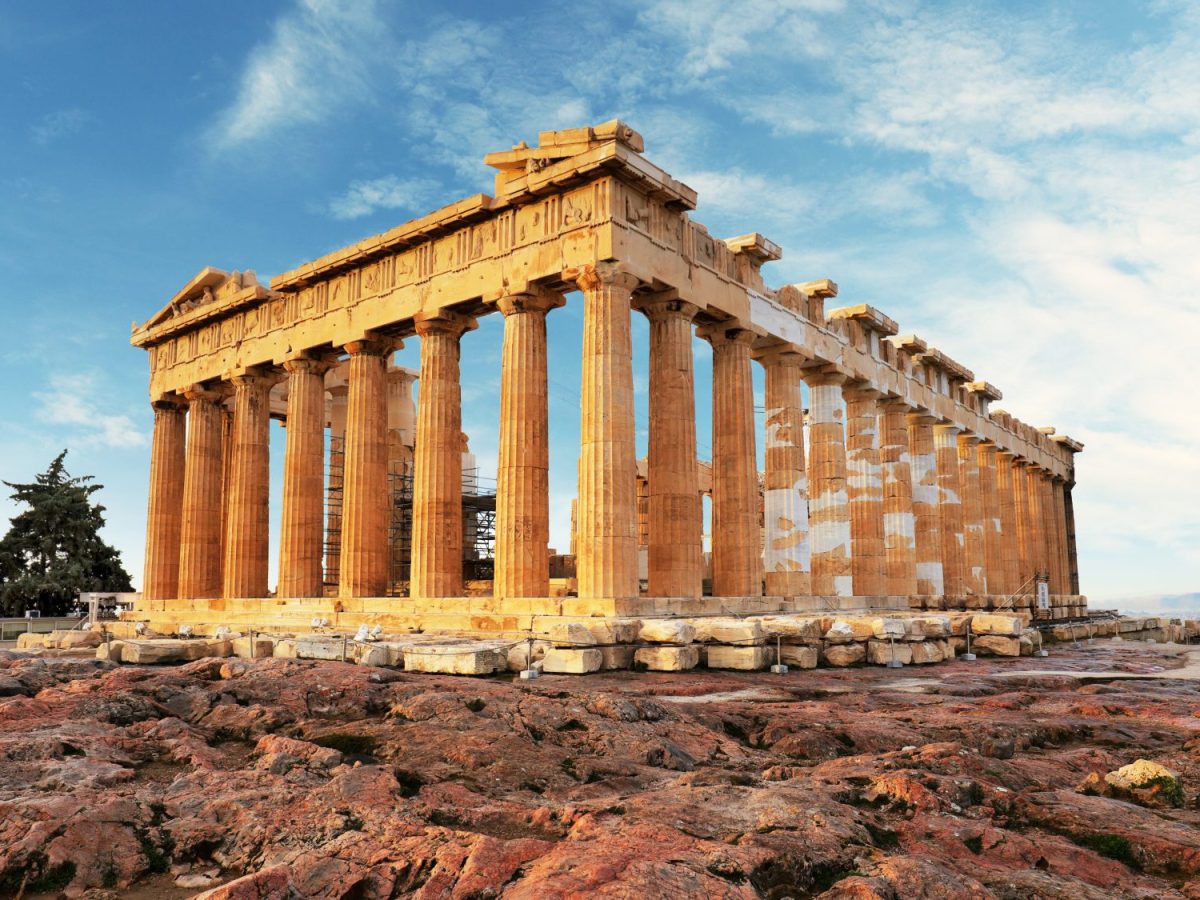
325,780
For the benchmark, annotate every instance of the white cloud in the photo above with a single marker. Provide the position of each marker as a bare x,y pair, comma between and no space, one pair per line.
317,59
59,124
362,198
71,401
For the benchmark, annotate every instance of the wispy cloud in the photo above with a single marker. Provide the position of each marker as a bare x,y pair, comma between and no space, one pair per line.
317,58
59,124
70,402
362,198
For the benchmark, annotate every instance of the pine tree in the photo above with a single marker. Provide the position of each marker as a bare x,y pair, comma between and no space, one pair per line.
53,549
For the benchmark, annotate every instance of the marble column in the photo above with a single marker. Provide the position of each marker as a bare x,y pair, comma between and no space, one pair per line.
366,498
339,396
437,529
1061,541
302,534
246,523
864,490
522,563
829,507
200,531
1038,556
164,513
675,524
1069,525
927,514
1010,543
1027,563
606,523
993,564
786,553
899,522
1049,531
226,476
954,557
736,552
972,511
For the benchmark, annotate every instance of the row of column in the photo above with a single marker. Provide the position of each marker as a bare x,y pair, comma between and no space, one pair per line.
888,500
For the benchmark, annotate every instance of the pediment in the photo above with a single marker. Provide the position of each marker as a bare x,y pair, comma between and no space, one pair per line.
210,291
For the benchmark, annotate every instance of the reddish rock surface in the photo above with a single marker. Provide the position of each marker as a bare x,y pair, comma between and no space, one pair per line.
283,778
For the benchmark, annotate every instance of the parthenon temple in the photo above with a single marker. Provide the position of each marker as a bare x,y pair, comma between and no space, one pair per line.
890,480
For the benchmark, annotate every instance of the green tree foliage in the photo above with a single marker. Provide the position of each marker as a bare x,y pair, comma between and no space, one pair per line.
53,549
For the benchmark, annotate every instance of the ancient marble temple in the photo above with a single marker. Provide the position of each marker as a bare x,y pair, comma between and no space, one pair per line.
912,491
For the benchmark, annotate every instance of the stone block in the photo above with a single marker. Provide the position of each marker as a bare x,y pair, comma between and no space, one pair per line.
845,631
111,650
372,655
614,631
571,634
166,650
668,658
30,641
1025,644
996,645
616,657
888,628
927,652
572,661
948,647
518,657
798,657
728,630
879,653
75,640
844,654
723,656
997,624
933,626
253,648
456,659
804,628
667,631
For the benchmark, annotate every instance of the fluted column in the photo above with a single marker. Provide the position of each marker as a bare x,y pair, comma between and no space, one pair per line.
246,525
226,477
675,519
437,522
1058,485
522,567
954,557
1049,531
200,532
864,490
1037,522
1026,559
974,551
927,513
606,529
1069,525
164,513
302,526
829,508
736,558
366,500
993,566
899,522
1010,545
786,554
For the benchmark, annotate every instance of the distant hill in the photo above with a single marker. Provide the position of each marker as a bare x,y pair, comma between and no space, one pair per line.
1162,604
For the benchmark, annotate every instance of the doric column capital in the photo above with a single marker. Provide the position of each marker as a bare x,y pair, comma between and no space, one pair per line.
728,332
197,393
946,428
443,322
770,353
255,377
895,405
372,345
602,275
970,438
534,300
169,403
310,363
824,376
861,390
665,305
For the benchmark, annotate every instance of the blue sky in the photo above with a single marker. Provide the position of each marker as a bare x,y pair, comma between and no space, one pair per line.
1016,182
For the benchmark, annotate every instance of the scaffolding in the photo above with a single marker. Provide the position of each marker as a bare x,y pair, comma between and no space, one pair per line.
479,524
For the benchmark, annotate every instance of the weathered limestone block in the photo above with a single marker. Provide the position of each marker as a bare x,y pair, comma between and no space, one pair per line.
455,659
798,657
879,653
728,630
997,645
614,631
563,661
373,655
571,634
618,657
30,641
1124,626
843,631
73,640
315,647
844,654
667,631
112,651
949,648
927,652
253,648
668,658
518,656
933,626
997,624
162,650
721,656
888,628
794,627
1026,642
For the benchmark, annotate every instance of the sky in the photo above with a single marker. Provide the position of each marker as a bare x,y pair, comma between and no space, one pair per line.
1017,182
